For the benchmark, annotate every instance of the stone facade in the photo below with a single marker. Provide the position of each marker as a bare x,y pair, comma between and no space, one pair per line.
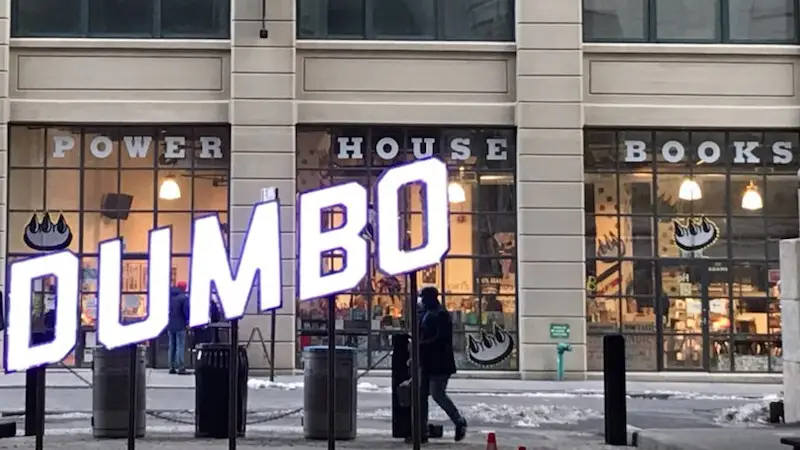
547,84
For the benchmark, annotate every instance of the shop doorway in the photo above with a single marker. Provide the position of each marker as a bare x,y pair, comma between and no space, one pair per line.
694,307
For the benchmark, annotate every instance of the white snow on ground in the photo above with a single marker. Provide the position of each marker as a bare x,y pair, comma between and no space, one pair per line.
371,388
257,383
750,414
521,416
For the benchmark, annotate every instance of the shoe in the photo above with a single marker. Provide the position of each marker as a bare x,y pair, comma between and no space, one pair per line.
461,430
173,371
183,372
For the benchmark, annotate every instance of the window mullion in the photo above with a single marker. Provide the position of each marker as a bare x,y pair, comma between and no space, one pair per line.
157,19
723,20
84,18
369,29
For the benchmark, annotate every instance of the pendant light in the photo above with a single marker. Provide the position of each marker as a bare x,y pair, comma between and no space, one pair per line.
751,200
690,190
455,190
169,189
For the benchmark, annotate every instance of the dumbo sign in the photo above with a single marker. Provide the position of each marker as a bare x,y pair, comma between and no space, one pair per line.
210,270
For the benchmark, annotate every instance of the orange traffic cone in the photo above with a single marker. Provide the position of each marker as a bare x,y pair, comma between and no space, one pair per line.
491,442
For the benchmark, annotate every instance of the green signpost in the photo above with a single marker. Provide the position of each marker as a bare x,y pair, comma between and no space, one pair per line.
559,331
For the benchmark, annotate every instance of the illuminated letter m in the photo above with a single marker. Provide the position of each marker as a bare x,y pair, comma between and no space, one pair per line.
260,257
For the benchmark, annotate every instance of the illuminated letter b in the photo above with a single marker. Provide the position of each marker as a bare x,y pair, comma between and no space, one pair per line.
314,241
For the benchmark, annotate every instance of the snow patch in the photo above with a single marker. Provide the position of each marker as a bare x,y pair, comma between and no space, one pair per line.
257,383
750,414
521,416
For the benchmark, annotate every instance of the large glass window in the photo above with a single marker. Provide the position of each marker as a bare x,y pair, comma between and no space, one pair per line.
121,18
93,183
450,20
477,278
697,21
682,232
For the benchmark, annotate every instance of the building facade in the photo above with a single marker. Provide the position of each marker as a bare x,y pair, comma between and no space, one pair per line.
616,166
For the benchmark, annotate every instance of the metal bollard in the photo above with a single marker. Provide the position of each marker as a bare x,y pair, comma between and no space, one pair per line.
561,348
614,390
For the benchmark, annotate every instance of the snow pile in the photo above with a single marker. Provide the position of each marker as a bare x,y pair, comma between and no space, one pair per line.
520,416
369,388
682,395
744,415
256,383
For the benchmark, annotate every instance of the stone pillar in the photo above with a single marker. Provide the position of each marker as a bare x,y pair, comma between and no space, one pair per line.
5,57
550,185
790,326
263,117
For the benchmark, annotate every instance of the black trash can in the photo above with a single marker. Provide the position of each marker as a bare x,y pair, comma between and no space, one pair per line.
315,392
110,387
211,391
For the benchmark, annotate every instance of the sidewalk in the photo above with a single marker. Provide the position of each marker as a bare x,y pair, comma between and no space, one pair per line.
160,379
280,438
715,438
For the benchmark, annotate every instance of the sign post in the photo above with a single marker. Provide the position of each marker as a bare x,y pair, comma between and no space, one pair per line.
269,194
134,350
416,413
332,372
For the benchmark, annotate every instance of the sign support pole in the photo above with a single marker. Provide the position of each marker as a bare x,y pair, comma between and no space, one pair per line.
268,194
133,350
40,405
332,372
233,388
416,412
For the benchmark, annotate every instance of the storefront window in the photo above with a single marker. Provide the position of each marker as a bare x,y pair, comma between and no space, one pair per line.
477,278
682,232
75,187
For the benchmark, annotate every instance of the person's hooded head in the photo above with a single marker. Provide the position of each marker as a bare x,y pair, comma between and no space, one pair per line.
429,298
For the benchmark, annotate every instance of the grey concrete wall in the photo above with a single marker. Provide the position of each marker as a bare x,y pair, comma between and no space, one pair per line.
263,116
790,326
550,184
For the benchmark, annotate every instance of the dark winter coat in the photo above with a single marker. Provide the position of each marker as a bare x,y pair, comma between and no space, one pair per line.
436,342
178,310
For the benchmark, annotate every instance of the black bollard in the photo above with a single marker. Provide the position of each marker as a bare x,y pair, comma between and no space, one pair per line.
614,389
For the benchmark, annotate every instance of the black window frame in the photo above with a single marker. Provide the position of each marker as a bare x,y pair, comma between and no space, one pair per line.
371,35
722,35
223,7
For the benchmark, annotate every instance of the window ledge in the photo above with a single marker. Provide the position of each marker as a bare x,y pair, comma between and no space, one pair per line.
410,46
693,49
121,44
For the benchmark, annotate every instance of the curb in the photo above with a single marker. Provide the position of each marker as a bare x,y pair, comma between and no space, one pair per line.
646,440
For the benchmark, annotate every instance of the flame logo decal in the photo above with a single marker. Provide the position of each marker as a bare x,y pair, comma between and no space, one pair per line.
692,235
490,348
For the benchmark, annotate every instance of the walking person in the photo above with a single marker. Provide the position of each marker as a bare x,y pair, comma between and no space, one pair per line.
176,328
437,361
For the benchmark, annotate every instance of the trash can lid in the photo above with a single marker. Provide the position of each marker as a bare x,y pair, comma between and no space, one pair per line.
324,349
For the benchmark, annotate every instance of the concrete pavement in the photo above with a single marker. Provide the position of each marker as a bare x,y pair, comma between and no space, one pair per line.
767,438
158,439
160,379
